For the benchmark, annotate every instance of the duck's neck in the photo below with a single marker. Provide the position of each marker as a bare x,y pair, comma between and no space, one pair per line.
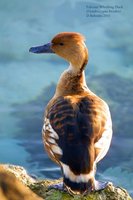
72,81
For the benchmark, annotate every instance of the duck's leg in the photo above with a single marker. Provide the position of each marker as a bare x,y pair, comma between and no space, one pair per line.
98,185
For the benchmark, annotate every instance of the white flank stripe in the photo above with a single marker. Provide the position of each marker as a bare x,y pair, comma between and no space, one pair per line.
47,127
53,134
51,153
43,129
56,149
51,140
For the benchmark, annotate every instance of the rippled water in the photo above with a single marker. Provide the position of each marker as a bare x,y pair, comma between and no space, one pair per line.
27,81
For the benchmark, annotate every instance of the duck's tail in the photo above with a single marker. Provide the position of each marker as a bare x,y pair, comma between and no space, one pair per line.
78,187
77,184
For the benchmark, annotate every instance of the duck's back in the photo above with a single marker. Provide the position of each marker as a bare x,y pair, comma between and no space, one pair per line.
73,127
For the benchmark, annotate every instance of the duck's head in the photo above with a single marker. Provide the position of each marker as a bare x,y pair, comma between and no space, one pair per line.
68,45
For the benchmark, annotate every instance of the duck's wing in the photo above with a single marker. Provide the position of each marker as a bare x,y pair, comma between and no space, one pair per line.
77,132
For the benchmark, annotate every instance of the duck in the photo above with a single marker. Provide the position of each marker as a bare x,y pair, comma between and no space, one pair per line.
77,128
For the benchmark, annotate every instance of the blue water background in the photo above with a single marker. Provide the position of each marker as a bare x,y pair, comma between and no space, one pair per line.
27,81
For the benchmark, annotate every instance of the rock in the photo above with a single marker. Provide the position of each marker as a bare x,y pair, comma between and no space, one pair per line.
13,189
14,179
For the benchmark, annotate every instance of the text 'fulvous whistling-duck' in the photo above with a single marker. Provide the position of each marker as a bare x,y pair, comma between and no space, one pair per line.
77,127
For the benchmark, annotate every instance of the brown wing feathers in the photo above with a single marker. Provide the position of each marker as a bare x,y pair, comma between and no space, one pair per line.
77,131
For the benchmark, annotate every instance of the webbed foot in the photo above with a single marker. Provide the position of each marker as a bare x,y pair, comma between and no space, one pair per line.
58,186
100,185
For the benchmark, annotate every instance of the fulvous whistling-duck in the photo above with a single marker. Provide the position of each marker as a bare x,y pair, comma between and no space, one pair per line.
77,127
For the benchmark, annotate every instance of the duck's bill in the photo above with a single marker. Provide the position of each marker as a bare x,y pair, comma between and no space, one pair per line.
46,48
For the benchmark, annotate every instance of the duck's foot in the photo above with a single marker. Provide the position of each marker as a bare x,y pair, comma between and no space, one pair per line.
100,185
58,186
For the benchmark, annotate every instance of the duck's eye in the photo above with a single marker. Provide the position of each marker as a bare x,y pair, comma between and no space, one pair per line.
61,44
